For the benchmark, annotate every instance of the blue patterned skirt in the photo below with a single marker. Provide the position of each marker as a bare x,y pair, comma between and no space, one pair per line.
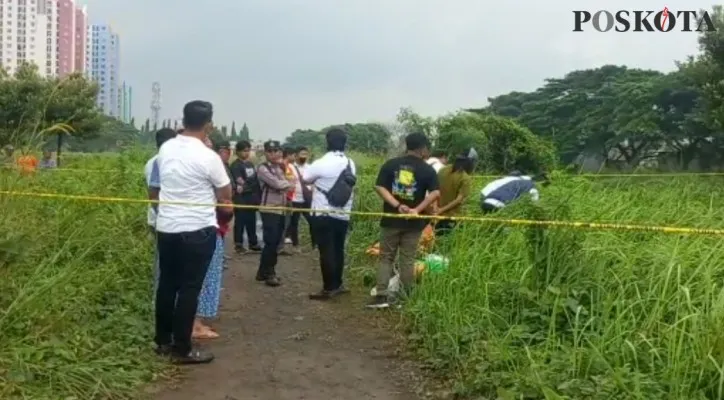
211,290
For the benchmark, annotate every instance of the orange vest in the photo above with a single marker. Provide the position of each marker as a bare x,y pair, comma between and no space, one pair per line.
289,173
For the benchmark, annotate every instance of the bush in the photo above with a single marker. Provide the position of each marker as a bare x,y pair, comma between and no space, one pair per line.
503,144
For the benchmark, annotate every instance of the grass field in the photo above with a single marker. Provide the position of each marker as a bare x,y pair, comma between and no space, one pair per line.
521,313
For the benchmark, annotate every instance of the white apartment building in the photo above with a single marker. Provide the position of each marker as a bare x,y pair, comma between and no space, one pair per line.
29,34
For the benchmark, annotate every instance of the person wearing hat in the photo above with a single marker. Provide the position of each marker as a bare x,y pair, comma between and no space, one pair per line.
503,191
274,185
455,182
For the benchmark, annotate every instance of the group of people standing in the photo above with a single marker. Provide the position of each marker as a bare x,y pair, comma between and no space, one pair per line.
189,169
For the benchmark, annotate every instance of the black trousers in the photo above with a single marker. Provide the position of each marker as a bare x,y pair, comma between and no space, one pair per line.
330,234
245,220
293,229
273,234
183,261
444,226
488,208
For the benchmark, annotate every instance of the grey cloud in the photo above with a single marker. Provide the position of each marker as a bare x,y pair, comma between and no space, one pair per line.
286,64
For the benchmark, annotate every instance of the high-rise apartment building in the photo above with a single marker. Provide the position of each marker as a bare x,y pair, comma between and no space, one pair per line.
81,33
28,34
48,33
103,54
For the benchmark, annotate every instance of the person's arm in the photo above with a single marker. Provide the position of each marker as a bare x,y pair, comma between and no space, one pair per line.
220,180
311,173
384,181
433,193
460,199
265,175
154,185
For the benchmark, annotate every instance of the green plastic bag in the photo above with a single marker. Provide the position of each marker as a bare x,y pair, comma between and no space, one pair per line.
436,263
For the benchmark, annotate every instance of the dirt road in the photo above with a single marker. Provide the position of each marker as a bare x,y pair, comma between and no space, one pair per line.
278,345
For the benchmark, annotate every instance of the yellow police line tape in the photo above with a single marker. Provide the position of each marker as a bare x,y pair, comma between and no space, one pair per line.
589,175
504,221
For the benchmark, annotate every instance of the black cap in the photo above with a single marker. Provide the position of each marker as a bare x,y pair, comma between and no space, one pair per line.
222,144
272,145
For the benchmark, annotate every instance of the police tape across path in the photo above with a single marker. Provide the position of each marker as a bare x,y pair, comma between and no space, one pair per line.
503,221
589,175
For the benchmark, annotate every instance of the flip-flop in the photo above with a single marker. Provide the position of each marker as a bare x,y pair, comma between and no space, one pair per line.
206,335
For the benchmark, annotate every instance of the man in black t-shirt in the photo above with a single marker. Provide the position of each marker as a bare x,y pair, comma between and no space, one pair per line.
408,185
247,192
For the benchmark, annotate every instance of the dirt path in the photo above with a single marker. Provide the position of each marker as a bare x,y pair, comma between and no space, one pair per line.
279,345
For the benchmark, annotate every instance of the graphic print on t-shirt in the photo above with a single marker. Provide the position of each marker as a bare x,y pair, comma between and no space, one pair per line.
405,185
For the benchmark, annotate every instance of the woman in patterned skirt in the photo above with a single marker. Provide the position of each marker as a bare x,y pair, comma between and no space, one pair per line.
211,290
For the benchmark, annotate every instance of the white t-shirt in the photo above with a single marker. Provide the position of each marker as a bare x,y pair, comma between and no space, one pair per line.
188,171
147,170
435,163
324,172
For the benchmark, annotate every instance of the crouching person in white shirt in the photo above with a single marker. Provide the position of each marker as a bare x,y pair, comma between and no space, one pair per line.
333,176
188,172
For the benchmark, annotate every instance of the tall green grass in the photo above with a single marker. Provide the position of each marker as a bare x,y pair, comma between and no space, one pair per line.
521,313
530,313
75,287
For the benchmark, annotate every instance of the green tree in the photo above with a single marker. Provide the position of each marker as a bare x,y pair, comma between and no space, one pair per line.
147,125
244,132
234,134
32,108
503,145
224,131
305,137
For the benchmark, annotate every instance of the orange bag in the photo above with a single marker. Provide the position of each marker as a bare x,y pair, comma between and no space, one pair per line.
427,240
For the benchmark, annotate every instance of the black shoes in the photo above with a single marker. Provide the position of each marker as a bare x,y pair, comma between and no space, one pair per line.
272,281
379,302
328,294
194,356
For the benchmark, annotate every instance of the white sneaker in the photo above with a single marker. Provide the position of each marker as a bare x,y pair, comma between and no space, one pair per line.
287,241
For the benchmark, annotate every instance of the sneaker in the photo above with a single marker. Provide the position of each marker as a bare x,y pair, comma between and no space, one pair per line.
195,356
287,241
342,290
255,247
321,295
379,302
273,281
240,250
285,252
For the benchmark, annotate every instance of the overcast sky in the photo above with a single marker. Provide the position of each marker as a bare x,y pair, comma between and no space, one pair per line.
279,65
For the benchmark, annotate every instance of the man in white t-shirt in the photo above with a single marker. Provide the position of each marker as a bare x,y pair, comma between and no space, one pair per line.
187,171
330,227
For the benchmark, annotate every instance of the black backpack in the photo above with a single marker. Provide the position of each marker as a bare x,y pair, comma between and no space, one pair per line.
340,193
